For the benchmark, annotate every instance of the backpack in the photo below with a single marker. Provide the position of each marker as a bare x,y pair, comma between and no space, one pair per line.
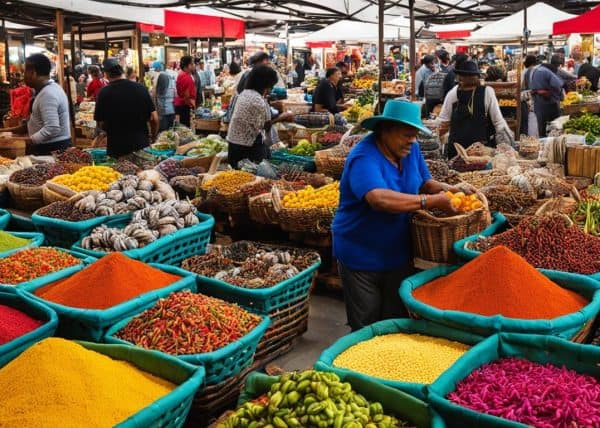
434,86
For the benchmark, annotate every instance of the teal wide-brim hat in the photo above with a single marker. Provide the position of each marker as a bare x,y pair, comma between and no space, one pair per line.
399,111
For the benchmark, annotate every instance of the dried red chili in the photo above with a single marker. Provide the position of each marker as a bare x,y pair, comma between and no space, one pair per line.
186,323
33,263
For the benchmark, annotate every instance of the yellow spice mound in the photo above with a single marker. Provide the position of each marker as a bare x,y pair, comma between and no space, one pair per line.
58,383
402,357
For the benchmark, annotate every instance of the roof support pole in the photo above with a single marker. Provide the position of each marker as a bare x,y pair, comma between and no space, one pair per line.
60,46
380,53
79,40
72,41
412,49
105,41
6,57
140,53
525,29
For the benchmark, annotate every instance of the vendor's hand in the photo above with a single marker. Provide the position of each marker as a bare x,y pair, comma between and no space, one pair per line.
441,201
466,188
286,117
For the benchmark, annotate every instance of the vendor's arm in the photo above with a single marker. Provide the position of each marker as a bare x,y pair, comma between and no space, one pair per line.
493,110
51,120
154,122
445,115
283,117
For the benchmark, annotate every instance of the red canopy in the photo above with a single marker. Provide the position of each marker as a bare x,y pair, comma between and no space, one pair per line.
181,24
589,22
458,34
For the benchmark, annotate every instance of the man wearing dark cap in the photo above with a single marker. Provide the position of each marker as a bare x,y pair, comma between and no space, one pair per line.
450,79
547,92
444,58
556,63
123,110
259,58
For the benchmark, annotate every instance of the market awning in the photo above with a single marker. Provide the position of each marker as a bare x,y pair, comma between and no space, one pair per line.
356,31
453,31
180,24
588,22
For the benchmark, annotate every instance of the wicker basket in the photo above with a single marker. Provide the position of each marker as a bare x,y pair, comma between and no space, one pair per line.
26,198
310,220
262,210
331,161
433,237
51,196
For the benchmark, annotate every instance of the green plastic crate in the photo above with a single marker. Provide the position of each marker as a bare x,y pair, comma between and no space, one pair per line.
37,239
398,403
537,348
92,324
168,250
220,364
565,326
381,328
12,349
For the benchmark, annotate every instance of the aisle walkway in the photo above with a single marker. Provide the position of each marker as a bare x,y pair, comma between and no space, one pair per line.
327,323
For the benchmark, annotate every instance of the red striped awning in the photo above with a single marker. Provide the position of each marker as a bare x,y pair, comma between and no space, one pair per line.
181,24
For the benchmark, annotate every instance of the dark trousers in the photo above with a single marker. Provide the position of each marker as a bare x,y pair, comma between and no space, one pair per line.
184,115
47,148
166,122
372,296
255,153
545,111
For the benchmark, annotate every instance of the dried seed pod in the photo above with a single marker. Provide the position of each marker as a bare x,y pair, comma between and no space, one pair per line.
167,220
167,229
115,195
145,185
104,211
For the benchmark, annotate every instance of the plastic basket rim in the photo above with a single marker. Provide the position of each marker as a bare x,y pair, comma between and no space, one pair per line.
40,220
207,222
98,315
5,216
37,239
498,323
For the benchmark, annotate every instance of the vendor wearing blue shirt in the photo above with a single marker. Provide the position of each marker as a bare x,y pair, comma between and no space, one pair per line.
385,179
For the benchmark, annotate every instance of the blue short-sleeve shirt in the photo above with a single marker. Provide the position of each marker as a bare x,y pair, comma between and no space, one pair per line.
365,239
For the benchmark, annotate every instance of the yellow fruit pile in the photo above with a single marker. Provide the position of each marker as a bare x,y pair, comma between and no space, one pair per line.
5,161
464,203
324,197
363,83
228,182
357,113
88,178
572,98
503,102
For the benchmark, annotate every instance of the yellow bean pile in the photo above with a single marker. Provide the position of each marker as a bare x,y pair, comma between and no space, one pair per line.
228,182
402,357
89,178
324,197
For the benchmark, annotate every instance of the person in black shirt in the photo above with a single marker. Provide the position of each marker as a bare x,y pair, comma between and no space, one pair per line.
325,97
590,72
123,110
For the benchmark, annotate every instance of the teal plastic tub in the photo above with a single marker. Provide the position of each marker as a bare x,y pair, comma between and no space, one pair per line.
382,328
12,349
398,403
63,233
565,326
537,348
465,253
307,163
220,364
37,240
4,219
168,250
262,300
92,324
171,410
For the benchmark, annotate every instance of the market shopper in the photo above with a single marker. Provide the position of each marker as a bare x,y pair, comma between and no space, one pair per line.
326,97
164,95
123,110
590,72
547,92
427,69
259,58
470,112
450,79
96,83
385,179
185,99
250,132
48,125
201,80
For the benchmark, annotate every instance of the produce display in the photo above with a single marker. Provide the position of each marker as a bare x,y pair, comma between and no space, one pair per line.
330,138
294,174
209,146
500,282
311,398
508,199
251,265
358,113
552,396
64,210
587,217
327,196
33,263
586,124
5,161
173,168
14,323
11,242
88,178
84,386
592,192
166,140
125,167
505,102
464,203
365,83
549,242
402,357
204,324
129,193
305,148
73,155
111,280
37,175
146,226
228,182
459,164
366,98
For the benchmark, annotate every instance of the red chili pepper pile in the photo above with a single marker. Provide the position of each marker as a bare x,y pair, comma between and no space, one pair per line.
186,323
32,263
550,243
14,323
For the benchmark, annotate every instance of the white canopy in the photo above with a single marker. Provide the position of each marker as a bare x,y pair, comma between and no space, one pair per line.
356,31
540,18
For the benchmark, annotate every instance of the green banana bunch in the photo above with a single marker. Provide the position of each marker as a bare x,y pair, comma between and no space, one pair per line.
311,399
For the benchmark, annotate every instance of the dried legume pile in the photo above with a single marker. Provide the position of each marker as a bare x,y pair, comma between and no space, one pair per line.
402,357
14,323
37,175
65,210
73,155
500,282
549,242
33,263
10,242
228,182
543,396
187,323
310,399
85,388
111,280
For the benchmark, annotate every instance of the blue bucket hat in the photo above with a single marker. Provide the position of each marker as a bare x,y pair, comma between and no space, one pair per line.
399,111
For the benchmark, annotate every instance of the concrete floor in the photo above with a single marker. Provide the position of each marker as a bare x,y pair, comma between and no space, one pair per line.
326,324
